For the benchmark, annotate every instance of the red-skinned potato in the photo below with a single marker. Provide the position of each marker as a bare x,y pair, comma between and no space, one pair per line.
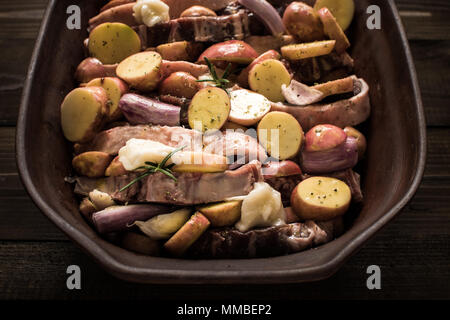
242,79
91,68
303,22
198,11
360,139
115,88
83,113
180,84
232,51
324,137
320,198
284,168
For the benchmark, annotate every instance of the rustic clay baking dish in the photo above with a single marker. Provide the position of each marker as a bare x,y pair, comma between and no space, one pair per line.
392,171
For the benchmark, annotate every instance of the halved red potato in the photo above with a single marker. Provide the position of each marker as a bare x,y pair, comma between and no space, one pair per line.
178,6
83,113
111,42
209,109
248,107
303,22
179,84
267,78
232,51
141,70
333,30
280,134
320,198
324,137
180,50
115,88
242,79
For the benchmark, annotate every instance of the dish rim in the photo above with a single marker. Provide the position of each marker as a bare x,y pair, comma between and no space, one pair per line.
155,275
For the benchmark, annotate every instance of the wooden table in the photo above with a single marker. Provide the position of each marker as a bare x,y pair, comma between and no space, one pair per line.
412,251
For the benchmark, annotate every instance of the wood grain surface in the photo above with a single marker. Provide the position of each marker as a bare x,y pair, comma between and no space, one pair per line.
412,251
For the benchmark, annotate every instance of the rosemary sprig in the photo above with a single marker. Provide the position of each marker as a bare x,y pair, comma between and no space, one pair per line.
152,167
218,82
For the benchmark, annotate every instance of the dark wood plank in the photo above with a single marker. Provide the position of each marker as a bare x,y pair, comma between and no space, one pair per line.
38,270
425,19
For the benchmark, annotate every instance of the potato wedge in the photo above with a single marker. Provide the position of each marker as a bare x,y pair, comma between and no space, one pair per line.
141,70
83,113
163,226
307,50
222,214
320,198
333,30
248,107
267,78
187,235
113,42
180,51
91,164
115,168
343,10
179,84
280,134
335,87
115,88
199,162
209,109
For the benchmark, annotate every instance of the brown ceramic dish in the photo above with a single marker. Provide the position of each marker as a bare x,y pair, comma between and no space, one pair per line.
392,171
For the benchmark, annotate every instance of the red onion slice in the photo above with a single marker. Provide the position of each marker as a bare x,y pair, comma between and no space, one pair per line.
267,13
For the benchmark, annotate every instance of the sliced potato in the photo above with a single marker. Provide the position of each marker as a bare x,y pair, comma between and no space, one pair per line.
199,162
267,78
320,198
83,112
222,214
209,109
114,88
343,10
248,107
307,50
180,51
280,134
163,226
111,42
333,30
335,87
187,234
141,70
91,164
